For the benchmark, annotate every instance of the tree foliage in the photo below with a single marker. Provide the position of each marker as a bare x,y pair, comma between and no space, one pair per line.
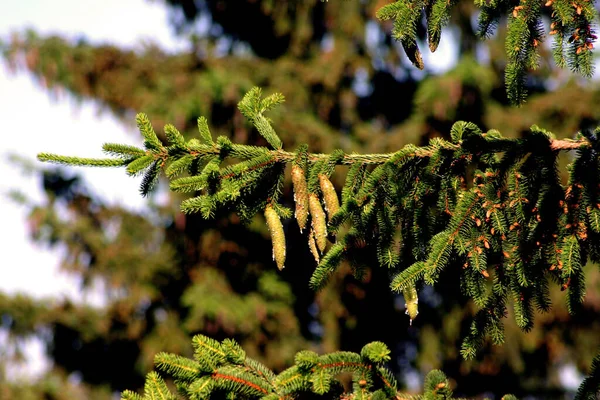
571,25
222,369
493,204
292,57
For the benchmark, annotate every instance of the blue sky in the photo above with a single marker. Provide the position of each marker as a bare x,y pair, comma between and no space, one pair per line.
32,122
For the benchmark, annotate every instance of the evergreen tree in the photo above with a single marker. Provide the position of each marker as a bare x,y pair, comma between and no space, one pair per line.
328,93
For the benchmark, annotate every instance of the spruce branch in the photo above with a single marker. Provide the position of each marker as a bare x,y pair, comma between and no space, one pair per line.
571,24
223,368
590,387
477,201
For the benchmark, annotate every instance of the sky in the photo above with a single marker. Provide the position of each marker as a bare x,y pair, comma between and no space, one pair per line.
62,125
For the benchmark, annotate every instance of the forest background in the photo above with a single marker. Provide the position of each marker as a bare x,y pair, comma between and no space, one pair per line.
139,277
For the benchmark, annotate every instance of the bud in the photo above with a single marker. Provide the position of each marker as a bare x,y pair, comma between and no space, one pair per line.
318,221
332,203
300,195
277,236
412,301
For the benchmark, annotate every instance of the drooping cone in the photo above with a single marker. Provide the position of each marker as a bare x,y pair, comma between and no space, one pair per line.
319,224
312,245
300,195
277,236
412,302
332,203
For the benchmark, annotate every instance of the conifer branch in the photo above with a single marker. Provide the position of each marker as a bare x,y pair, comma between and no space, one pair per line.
572,25
233,374
590,387
477,201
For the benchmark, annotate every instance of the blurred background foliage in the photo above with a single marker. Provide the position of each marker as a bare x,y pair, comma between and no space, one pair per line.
168,276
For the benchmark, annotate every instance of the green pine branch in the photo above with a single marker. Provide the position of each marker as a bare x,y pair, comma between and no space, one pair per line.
493,207
572,27
223,368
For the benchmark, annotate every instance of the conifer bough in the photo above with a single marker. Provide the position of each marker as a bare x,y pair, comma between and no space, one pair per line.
571,25
489,208
223,368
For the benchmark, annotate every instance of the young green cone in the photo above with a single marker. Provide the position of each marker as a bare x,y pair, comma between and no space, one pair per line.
412,302
312,245
277,236
332,203
318,221
300,195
